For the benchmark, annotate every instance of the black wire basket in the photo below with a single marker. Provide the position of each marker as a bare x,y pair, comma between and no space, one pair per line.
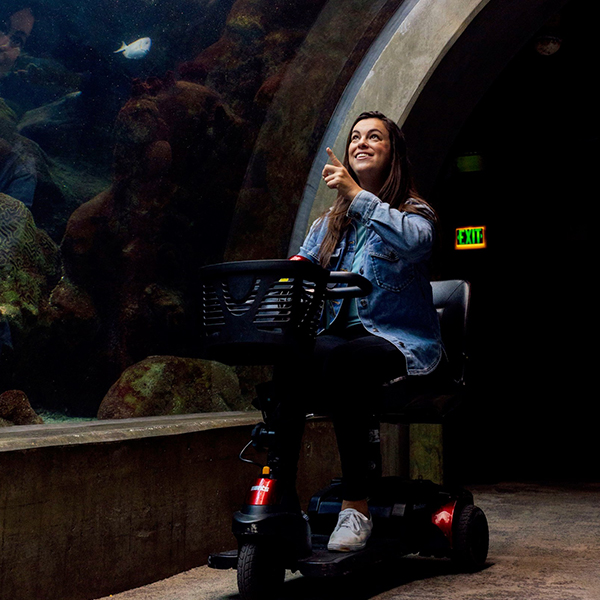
260,312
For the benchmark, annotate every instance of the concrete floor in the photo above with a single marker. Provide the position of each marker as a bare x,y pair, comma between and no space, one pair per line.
544,545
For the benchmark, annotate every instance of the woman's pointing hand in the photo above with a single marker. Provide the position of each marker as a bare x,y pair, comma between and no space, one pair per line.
336,177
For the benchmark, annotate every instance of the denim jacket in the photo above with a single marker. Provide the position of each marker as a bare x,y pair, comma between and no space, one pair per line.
397,249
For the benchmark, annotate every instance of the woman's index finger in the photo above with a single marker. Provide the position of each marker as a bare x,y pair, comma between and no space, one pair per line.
334,159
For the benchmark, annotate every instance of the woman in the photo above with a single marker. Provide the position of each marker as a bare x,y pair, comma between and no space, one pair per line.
380,228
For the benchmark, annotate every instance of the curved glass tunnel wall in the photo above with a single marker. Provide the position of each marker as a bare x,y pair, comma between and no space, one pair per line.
523,167
125,134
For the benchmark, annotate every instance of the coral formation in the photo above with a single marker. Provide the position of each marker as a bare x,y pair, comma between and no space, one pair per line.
29,265
169,385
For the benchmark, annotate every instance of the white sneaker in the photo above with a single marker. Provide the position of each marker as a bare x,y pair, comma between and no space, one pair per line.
351,533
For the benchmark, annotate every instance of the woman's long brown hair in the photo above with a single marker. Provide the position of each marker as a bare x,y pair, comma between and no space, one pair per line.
398,189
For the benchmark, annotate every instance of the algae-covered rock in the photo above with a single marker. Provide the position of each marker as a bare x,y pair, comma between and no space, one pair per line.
16,410
29,263
169,385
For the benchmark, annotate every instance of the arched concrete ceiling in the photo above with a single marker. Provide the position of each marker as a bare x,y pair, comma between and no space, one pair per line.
424,63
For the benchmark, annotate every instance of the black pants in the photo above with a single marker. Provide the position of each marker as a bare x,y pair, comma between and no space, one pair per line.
342,379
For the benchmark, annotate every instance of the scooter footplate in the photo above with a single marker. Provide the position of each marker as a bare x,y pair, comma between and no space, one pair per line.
323,563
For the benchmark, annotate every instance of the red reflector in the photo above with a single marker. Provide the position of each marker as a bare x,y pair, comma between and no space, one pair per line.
262,492
442,518
297,257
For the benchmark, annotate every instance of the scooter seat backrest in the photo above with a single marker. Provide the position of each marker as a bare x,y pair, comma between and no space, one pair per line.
451,299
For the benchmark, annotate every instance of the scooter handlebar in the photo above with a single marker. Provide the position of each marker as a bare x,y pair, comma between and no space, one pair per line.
356,285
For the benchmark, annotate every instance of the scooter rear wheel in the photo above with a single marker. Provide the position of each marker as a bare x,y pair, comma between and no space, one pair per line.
470,536
260,571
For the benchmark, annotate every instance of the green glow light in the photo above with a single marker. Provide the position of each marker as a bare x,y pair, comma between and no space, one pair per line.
470,238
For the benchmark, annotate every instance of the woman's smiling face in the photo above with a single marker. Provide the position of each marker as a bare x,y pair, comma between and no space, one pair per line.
369,152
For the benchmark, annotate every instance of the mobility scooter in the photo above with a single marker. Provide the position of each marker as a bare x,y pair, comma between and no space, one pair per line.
262,312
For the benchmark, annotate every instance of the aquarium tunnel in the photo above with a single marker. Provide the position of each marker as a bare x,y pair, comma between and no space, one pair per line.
141,140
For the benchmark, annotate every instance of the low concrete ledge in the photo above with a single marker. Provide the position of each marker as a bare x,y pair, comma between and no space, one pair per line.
91,509
94,432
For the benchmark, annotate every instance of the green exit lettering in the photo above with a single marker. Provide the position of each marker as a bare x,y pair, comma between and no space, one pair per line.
470,238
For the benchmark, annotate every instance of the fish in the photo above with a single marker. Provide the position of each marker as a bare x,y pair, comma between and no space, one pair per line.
137,49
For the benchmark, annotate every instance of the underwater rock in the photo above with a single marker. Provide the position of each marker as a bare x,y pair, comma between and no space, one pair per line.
29,265
169,385
54,126
250,376
15,409
72,140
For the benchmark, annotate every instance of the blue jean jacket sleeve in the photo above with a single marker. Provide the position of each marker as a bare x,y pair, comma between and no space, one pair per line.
409,235
312,243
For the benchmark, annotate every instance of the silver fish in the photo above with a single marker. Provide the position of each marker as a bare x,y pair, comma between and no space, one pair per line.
137,49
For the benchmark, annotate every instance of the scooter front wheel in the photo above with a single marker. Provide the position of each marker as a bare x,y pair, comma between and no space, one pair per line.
260,570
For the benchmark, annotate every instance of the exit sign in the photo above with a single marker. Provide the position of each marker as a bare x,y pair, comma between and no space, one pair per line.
470,238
